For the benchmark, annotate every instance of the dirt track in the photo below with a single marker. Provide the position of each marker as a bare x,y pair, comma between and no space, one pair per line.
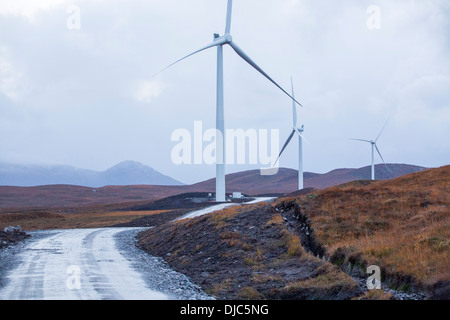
94,264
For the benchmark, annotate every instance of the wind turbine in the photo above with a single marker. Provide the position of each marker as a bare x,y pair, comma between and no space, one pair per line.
219,42
374,147
299,131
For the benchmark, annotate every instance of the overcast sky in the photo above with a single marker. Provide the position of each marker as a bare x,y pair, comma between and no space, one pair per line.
84,94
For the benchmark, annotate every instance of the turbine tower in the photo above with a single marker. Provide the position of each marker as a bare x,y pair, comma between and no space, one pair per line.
299,131
219,42
374,147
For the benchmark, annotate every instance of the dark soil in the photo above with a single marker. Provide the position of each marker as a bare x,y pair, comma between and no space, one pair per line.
244,253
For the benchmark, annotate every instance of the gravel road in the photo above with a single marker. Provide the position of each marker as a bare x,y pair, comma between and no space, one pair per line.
91,264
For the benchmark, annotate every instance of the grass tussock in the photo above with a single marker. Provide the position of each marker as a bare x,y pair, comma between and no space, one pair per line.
276,220
292,243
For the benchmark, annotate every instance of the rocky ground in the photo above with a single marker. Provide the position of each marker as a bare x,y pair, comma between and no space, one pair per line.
12,235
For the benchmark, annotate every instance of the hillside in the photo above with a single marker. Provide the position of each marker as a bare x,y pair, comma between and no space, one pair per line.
401,225
248,182
124,173
286,180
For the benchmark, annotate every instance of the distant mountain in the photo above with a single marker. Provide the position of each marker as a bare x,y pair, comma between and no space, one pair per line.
135,173
124,173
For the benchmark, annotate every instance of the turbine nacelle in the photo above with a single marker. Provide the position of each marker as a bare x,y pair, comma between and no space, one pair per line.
225,39
228,38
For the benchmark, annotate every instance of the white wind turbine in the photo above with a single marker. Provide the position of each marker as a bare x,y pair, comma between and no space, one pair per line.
299,131
219,42
374,147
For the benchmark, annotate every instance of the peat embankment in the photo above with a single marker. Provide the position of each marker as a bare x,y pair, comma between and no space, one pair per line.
247,252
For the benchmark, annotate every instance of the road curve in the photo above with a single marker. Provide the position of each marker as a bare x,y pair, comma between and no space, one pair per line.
78,264
221,206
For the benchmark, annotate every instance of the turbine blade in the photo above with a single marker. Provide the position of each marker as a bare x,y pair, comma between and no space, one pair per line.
381,131
285,145
362,140
244,56
379,153
229,10
294,107
218,42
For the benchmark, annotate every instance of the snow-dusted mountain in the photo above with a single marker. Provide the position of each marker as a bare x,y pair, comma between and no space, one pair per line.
124,173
